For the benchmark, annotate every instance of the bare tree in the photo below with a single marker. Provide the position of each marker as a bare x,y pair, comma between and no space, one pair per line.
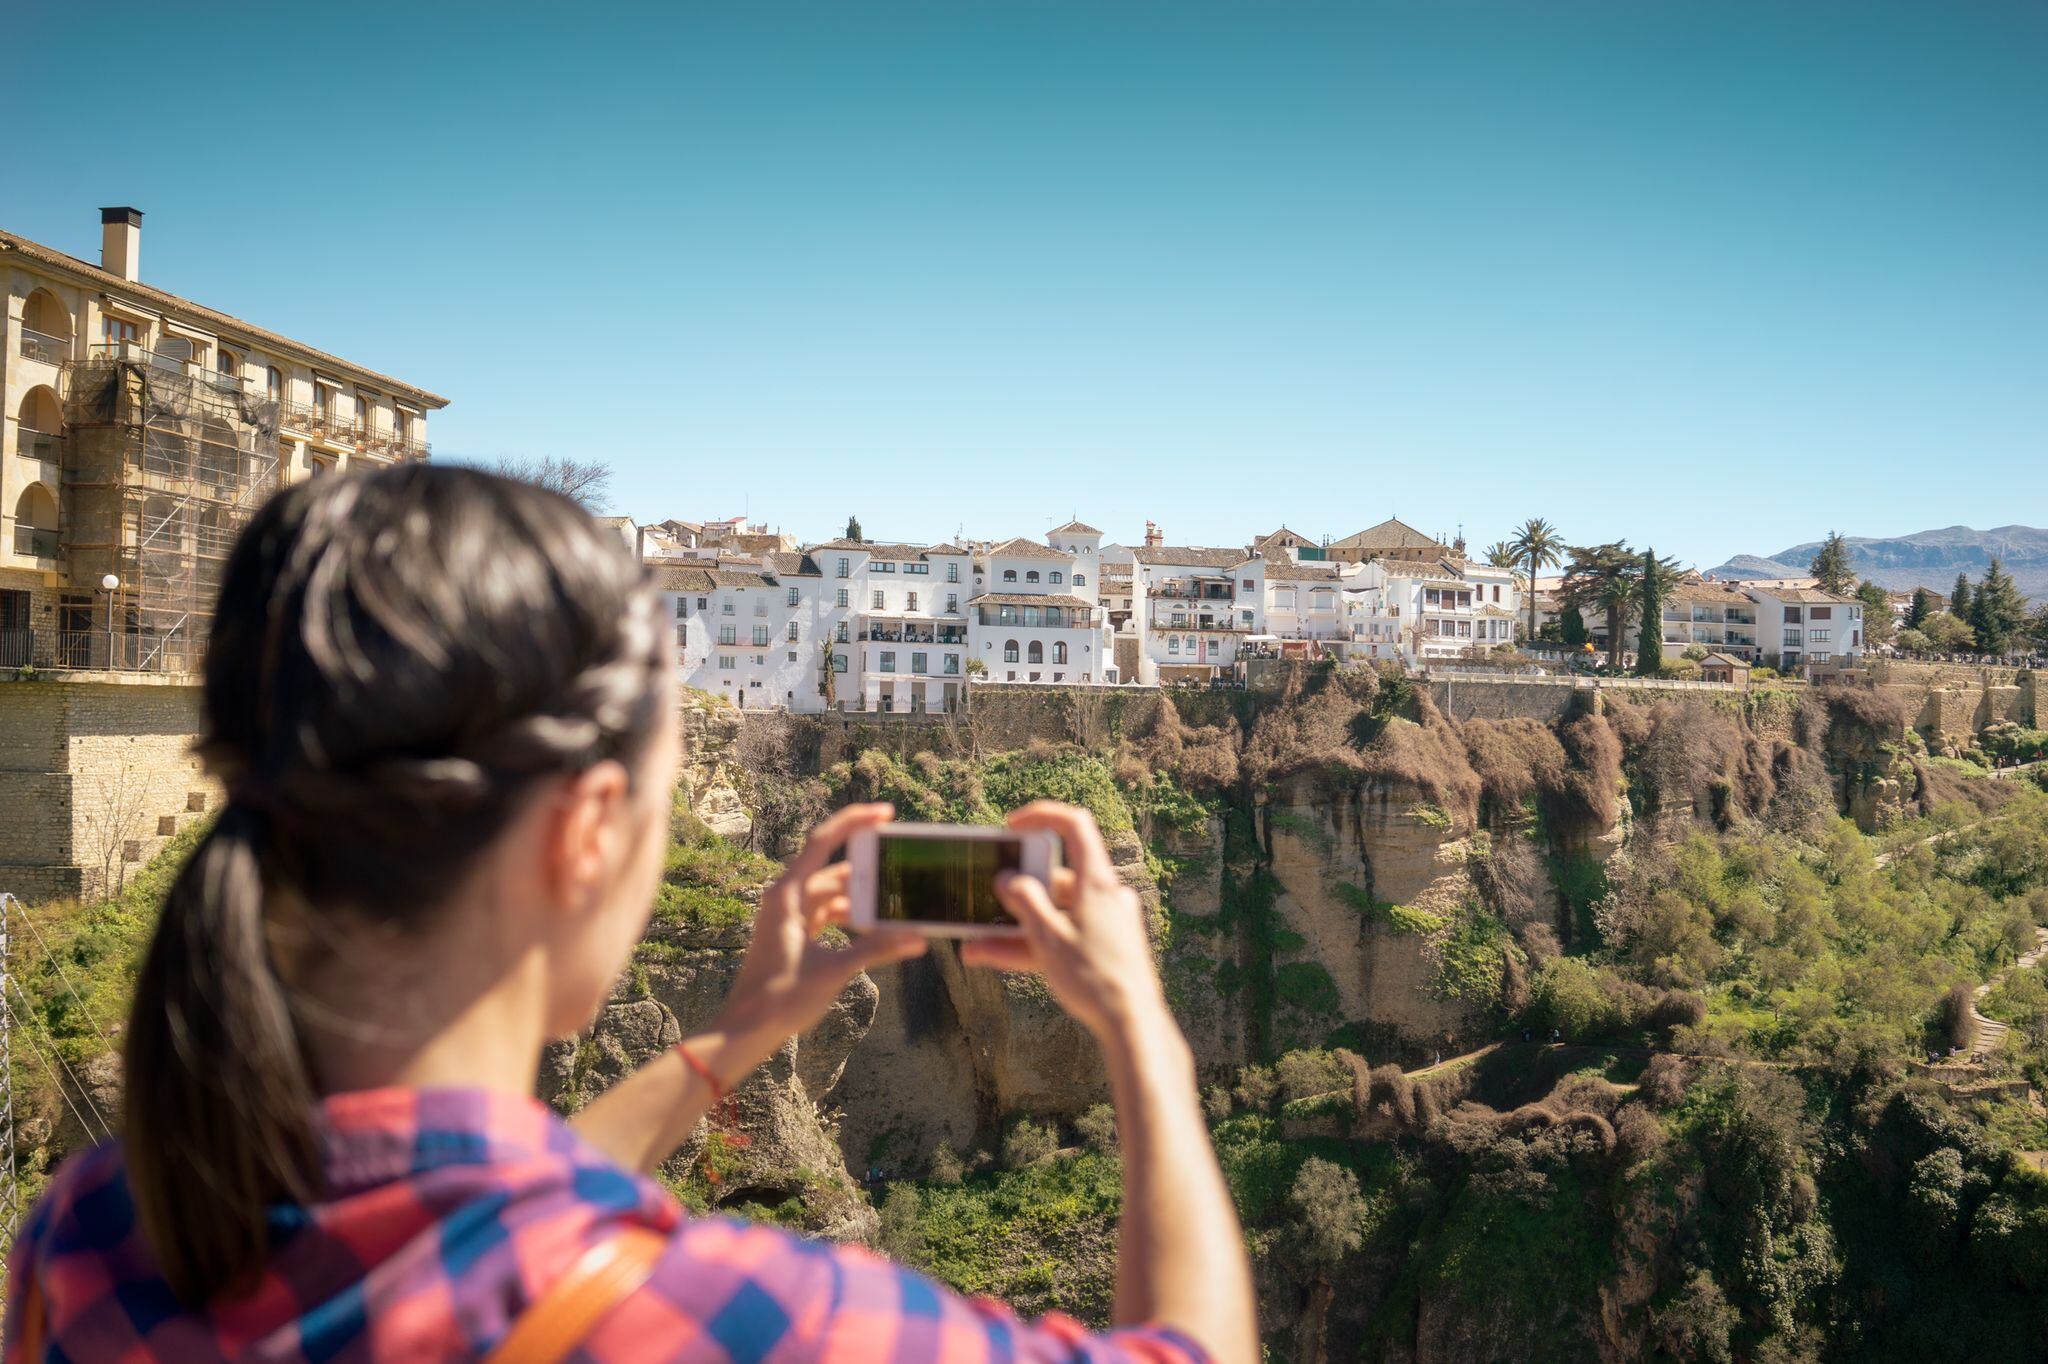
585,481
111,817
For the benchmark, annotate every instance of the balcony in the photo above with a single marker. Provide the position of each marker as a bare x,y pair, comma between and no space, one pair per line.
42,346
913,635
1202,589
1214,624
40,445
32,542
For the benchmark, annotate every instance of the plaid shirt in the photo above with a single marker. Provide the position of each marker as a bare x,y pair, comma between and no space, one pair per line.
448,1211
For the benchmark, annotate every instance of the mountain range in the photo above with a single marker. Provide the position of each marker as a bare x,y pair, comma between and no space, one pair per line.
1930,558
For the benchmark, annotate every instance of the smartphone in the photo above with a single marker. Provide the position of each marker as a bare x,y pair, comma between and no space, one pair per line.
940,879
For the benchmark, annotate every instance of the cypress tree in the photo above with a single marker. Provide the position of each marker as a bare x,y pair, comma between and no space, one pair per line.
1959,600
1571,627
1653,582
853,529
1925,604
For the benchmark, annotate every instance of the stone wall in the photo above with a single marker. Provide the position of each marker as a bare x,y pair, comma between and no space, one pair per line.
96,772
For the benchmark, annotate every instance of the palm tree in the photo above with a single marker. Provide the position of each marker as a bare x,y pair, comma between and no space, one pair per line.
1538,545
1602,578
1502,554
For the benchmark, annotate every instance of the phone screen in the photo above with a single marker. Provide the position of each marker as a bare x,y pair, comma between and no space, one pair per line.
943,880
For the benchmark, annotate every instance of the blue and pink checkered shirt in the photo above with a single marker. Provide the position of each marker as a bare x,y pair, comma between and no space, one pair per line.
448,1211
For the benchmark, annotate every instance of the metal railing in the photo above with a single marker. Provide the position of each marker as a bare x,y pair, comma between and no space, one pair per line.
1189,592
35,542
42,346
43,445
98,651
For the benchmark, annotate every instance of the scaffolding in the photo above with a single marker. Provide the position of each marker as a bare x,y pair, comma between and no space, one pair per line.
164,463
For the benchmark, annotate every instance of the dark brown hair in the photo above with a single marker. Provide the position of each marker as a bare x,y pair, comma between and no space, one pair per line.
396,658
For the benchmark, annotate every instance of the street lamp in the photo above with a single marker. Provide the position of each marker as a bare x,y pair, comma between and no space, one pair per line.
110,585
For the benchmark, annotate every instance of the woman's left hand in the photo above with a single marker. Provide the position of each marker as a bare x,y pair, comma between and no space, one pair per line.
789,978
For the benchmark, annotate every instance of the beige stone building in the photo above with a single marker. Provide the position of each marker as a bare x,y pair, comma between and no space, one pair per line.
141,430
1392,540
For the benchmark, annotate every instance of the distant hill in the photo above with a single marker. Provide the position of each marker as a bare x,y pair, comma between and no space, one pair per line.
1931,558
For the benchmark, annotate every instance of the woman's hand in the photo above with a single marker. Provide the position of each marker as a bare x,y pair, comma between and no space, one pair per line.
1086,935
789,979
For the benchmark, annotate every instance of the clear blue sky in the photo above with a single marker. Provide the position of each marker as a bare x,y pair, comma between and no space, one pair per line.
1713,276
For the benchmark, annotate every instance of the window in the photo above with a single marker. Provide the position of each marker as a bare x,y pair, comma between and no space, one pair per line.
1009,575
881,568
701,603
1059,651
839,634
273,382
401,425
840,600
362,408
1822,613
845,568
1792,640
1820,656
917,662
115,330
1010,654
887,660
1055,577
839,663
225,364
1792,615
1031,575
952,602
1080,580
725,607
726,635
682,635
878,600
792,632
792,655
1816,636
910,600
792,596
760,635
726,663
952,665
682,607
919,567
1173,644
952,572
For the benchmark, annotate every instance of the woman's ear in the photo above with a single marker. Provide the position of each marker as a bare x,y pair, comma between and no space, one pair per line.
585,836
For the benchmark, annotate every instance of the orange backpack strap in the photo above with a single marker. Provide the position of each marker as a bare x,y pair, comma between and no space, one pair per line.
603,1277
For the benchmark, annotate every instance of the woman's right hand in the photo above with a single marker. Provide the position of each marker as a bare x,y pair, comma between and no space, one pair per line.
1085,934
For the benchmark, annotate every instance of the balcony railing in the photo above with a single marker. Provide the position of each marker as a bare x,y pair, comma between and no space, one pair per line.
42,346
40,445
35,543
1200,591
910,636
97,651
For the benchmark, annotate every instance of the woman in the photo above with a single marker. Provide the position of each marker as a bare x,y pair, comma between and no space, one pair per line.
441,705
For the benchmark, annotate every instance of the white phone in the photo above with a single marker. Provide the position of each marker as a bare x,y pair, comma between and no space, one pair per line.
940,878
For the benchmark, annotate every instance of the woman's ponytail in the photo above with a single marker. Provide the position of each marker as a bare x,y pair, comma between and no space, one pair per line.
219,1106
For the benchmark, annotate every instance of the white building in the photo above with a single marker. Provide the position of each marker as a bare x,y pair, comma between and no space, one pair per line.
1037,617
1716,616
1796,626
1298,600
1191,611
1418,612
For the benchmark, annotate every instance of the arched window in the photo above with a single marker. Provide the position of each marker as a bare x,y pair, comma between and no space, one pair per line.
45,328
1031,575
273,382
1010,650
1059,651
1055,577
1034,652
1009,575
1080,580
41,423
35,523
225,364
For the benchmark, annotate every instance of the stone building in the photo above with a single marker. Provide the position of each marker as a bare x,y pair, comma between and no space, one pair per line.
141,429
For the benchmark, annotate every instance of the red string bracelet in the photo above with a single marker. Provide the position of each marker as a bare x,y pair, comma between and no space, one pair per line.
723,1113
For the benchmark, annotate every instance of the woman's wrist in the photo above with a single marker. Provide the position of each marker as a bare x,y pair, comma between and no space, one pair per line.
731,1047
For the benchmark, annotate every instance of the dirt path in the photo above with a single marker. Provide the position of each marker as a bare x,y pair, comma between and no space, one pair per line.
1990,1033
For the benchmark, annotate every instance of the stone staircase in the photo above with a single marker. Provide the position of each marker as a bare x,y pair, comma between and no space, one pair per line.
1990,1033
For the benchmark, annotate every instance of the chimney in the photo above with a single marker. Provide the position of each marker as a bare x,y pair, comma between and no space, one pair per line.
121,242
1153,538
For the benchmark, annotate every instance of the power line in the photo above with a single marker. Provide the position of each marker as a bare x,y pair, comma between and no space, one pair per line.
50,956
84,1097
